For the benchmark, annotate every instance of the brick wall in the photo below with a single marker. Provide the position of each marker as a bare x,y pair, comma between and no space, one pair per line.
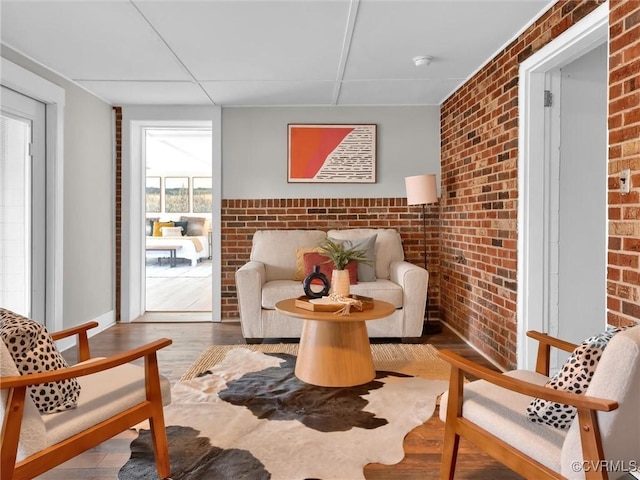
118,210
479,138
241,218
623,278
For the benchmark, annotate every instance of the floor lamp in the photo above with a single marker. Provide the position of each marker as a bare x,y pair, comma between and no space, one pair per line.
422,190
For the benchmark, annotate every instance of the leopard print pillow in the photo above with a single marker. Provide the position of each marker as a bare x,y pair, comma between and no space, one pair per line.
33,351
574,376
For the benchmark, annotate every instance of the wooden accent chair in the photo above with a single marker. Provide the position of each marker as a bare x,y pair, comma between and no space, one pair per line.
115,395
491,413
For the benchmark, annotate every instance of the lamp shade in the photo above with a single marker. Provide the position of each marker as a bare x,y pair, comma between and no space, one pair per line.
421,189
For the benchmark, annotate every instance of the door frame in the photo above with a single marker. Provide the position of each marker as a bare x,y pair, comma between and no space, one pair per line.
134,119
31,85
533,174
140,130
32,112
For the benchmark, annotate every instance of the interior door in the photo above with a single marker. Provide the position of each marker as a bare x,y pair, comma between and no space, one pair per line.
582,220
537,260
22,205
578,197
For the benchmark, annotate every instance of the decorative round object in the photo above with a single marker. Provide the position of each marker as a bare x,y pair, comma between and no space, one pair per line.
308,286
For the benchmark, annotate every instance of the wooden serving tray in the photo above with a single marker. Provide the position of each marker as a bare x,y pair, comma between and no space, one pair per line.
304,303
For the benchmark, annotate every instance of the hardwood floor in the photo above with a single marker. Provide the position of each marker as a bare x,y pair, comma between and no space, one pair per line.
183,288
422,446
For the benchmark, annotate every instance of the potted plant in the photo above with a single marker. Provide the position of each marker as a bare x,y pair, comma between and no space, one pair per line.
340,255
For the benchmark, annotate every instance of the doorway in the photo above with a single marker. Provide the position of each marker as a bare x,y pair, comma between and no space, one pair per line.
178,233
22,205
562,218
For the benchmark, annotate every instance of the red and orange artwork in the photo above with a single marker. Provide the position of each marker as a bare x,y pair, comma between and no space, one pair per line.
332,153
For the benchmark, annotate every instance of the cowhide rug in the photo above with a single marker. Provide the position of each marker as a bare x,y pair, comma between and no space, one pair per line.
249,417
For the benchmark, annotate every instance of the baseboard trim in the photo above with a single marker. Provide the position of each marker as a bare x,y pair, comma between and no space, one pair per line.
105,321
466,340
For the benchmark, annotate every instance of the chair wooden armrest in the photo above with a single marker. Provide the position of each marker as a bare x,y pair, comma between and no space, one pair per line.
150,408
455,422
492,414
85,369
545,342
83,338
523,387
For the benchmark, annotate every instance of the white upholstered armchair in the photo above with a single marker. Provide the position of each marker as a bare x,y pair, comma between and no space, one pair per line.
269,277
600,442
114,395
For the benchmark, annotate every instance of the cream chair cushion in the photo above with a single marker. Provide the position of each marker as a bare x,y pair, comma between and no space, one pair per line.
33,433
102,395
617,378
276,249
502,412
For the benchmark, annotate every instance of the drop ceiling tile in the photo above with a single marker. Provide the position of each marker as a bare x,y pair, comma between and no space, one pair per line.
460,35
254,40
148,93
395,92
90,40
270,93
264,52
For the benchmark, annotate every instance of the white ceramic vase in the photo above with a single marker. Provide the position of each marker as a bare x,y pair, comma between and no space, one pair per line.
340,283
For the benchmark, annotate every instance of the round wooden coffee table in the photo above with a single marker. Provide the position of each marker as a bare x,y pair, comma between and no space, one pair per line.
334,349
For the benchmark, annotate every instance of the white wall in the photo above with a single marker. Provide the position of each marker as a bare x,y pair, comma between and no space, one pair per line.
254,150
89,218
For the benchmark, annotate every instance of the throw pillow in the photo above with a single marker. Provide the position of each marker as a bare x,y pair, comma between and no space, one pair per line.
33,351
148,226
300,270
184,225
327,267
171,231
158,225
366,270
574,376
195,226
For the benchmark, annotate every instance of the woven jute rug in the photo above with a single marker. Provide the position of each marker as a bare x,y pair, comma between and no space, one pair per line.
420,360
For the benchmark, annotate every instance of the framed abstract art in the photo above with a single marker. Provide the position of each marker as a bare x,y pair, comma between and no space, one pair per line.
331,153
